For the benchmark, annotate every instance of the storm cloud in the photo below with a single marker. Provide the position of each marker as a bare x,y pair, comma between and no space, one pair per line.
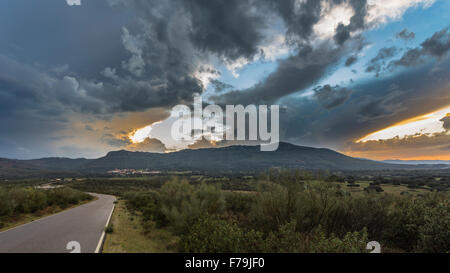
406,35
436,46
372,106
376,64
293,74
64,68
331,97
446,122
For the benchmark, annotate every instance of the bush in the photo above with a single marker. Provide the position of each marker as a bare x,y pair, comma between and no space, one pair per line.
109,229
182,203
435,233
20,200
239,203
285,240
404,222
352,242
209,235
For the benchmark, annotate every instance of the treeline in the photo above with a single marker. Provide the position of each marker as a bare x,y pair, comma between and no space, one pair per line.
433,180
118,186
22,200
290,214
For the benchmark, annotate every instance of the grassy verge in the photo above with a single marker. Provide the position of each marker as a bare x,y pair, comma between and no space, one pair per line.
128,235
26,218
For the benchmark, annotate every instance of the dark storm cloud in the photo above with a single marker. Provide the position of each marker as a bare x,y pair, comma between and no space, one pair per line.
115,141
405,35
436,46
293,74
384,53
311,64
154,58
331,97
147,69
410,58
357,22
220,86
227,28
84,39
133,55
351,60
213,30
299,17
439,44
376,64
446,121
170,44
373,105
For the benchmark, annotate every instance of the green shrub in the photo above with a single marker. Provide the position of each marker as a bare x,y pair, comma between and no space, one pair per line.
404,222
352,242
182,203
274,206
284,240
109,228
435,233
209,235
239,202
20,200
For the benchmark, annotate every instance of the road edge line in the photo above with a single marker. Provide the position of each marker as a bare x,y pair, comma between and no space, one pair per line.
102,238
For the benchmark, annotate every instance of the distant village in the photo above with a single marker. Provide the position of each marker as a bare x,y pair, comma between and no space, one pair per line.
132,172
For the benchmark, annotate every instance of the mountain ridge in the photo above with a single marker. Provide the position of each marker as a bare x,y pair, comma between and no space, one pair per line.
236,158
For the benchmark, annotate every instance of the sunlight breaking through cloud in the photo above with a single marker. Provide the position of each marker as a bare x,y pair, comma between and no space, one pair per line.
426,124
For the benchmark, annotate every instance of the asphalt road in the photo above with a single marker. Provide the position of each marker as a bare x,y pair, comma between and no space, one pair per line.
83,224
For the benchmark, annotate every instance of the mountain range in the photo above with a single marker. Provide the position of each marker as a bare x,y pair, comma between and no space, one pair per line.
215,160
418,162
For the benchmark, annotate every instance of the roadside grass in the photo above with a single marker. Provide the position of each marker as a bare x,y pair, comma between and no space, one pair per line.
26,218
129,235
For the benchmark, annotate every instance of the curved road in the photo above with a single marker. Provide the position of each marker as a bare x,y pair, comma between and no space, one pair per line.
83,224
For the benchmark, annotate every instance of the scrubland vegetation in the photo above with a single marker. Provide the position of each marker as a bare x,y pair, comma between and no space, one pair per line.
15,202
287,212
276,211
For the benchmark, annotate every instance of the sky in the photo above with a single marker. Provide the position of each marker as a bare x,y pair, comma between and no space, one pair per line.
368,78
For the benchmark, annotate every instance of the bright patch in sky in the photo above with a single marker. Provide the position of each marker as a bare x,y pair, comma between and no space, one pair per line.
140,135
73,2
332,17
380,11
426,124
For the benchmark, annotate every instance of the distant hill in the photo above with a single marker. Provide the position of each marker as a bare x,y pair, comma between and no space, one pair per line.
418,162
58,163
17,169
227,159
239,158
